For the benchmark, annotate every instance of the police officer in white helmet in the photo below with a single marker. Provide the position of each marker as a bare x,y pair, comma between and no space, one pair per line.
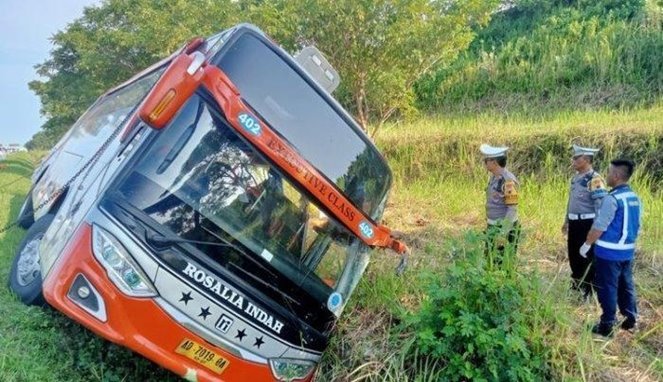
503,228
585,195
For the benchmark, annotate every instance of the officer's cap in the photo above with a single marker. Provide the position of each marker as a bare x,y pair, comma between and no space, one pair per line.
489,151
579,150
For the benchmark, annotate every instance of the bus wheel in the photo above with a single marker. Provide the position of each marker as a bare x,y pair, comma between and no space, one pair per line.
25,275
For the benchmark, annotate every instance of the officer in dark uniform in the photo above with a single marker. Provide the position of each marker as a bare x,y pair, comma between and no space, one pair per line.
501,202
587,191
613,234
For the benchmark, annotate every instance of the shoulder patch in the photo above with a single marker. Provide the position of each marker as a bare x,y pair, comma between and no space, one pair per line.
597,187
510,192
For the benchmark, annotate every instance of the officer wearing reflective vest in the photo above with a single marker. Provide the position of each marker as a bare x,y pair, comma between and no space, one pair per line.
501,202
613,234
587,191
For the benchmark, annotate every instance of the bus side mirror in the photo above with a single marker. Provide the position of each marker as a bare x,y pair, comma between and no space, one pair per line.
180,80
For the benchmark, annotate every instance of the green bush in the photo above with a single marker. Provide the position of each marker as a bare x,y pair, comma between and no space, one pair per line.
476,320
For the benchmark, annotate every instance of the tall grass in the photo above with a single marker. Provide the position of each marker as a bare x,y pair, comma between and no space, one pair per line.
447,146
439,172
555,57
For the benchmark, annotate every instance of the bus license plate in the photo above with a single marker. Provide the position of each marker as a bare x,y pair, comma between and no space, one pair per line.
202,355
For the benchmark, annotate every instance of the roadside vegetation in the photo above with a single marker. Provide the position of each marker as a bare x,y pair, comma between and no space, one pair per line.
545,56
453,316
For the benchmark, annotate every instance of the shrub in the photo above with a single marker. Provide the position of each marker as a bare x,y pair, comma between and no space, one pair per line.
476,320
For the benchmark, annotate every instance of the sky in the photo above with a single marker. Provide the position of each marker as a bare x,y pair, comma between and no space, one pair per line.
25,30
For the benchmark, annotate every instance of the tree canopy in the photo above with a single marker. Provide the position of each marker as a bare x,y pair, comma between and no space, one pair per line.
379,47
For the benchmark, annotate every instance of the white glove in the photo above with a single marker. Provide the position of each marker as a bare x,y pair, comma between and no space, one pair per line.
584,249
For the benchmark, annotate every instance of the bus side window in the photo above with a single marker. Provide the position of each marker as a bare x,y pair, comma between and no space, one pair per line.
99,122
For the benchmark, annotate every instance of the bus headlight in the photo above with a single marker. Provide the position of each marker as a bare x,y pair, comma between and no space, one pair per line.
119,265
288,369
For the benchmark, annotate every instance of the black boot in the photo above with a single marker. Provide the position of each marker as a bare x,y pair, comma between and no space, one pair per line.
603,329
628,324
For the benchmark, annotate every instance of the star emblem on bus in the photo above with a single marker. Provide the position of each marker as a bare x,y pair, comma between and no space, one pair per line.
204,312
186,297
240,334
258,342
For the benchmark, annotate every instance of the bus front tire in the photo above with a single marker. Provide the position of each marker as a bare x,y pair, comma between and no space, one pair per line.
25,276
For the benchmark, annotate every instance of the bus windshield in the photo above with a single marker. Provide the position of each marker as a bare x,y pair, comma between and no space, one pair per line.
204,183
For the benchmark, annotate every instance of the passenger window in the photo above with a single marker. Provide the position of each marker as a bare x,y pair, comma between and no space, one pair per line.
99,122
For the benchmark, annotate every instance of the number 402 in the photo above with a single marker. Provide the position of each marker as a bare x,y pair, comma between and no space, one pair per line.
249,123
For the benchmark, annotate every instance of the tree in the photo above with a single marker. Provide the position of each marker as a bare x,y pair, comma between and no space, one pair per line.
379,47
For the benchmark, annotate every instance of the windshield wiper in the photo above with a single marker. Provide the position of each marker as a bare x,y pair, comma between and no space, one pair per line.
160,241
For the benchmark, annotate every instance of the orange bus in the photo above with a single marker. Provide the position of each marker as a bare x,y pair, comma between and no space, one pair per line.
214,213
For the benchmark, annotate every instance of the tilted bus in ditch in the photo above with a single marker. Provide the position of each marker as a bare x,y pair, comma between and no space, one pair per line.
214,213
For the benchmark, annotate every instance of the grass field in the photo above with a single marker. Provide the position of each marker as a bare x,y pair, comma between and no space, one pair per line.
436,200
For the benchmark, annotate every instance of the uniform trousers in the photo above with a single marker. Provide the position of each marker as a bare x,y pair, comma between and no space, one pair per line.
615,287
582,271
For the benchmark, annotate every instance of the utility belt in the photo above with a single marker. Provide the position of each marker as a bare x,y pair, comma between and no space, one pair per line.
581,216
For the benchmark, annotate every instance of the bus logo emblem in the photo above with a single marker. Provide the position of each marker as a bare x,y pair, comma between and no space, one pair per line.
224,323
